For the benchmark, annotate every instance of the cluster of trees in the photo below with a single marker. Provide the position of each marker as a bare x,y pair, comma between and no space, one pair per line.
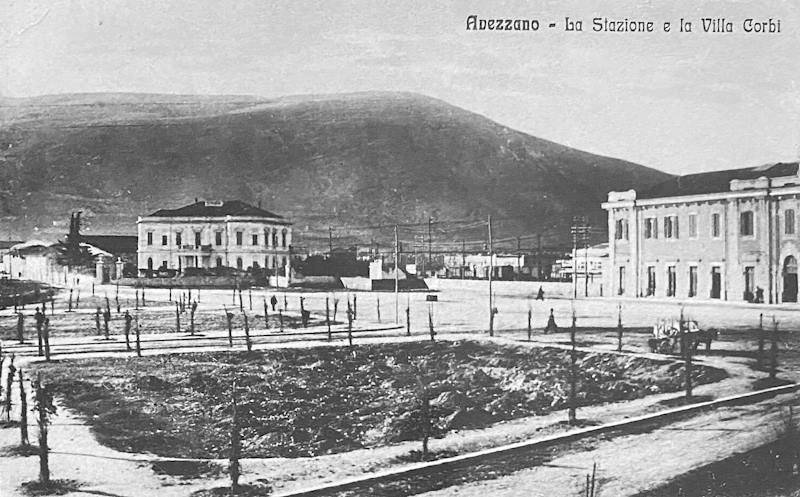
70,251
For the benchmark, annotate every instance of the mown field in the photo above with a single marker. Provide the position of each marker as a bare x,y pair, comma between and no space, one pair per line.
307,402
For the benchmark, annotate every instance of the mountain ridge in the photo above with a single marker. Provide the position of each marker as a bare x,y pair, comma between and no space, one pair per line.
359,159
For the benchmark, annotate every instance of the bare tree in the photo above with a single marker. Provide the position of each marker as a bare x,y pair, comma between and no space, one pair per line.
46,409
328,318
234,467
530,328
349,324
773,350
248,342
686,348
46,334
192,310
9,385
408,320
23,411
229,321
619,328
573,374
430,324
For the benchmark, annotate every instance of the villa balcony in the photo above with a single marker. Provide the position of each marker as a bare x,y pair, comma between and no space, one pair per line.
206,249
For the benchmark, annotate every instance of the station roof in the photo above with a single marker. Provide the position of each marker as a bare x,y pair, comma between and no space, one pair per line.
716,181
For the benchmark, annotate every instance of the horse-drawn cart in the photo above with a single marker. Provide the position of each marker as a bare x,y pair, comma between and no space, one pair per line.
667,336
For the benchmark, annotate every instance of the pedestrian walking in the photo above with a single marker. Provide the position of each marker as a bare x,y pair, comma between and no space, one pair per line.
128,321
39,317
552,327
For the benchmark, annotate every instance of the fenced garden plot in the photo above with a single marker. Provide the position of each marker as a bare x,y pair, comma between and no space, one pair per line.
307,402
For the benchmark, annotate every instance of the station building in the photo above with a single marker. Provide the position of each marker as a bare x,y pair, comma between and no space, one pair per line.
209,234
722,235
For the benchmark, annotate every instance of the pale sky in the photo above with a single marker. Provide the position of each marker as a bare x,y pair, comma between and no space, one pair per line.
680,102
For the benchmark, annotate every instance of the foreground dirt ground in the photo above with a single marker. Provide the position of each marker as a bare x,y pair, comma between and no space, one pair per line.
78,456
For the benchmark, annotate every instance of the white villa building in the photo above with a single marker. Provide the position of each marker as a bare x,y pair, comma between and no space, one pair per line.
209,234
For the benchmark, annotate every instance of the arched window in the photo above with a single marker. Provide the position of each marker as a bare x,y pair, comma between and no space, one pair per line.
219,261
239,263
283,238
274,237
149,263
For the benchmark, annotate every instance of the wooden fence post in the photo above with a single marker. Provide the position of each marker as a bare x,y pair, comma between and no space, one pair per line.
247,333
23,411
328,318
573,380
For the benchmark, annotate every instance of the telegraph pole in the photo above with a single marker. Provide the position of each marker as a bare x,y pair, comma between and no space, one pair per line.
491,270
330,241
463,258
586,265
430,258
539,256
574,260
396,276
579,232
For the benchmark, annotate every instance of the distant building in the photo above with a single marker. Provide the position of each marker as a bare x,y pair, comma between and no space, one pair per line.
594,257
728,235
5,247
33,260
38,260
505,266
214,234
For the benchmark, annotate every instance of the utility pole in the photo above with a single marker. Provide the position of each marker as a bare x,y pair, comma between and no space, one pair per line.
491,270
579,232
330,241
463,258
519,258
539,255
586,265
396,276
574,260
430,258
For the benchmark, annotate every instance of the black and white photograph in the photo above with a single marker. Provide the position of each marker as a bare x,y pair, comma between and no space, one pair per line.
346,248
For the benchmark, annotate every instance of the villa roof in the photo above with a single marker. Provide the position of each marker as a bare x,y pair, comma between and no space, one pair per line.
216,209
